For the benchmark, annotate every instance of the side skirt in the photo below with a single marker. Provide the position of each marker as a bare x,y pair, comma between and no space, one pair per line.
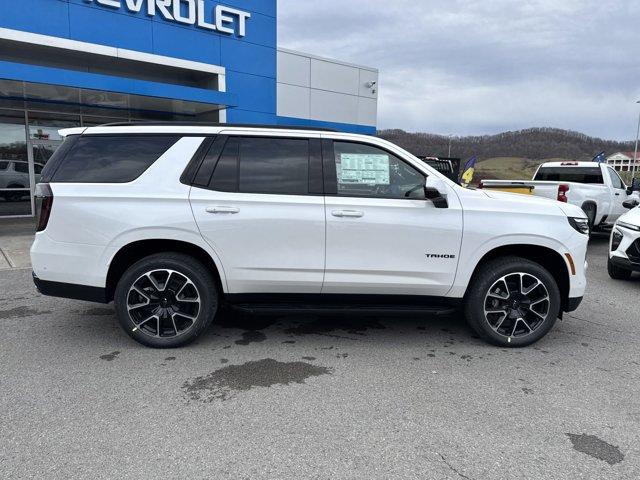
336,304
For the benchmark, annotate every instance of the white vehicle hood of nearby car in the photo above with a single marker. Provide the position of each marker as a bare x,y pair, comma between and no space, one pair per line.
545,203
632,217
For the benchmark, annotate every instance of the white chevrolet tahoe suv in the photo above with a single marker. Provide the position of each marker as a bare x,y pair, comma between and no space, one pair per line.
172,222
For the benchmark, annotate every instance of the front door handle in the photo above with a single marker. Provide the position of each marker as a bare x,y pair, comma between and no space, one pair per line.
347,213
221,210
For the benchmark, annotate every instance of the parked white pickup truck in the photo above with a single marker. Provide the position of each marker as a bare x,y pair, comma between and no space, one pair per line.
595,187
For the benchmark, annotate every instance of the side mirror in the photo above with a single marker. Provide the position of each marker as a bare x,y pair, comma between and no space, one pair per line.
630,190
633,203
435,190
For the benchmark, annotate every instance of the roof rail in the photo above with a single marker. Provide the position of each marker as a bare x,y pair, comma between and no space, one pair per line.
212,124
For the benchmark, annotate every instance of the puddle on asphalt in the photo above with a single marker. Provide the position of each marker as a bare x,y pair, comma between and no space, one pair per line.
324,325
252,336
21,312
109,357
99,312
224,383
596,448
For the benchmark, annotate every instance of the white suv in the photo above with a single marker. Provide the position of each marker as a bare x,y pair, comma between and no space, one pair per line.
624,244
171,222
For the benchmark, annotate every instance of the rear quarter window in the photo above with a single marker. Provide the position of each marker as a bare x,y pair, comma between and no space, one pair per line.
570,174
111,159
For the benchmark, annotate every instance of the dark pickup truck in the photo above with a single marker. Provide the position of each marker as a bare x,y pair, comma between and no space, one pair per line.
450,167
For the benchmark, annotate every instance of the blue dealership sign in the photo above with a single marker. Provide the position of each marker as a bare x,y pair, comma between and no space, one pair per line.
239,35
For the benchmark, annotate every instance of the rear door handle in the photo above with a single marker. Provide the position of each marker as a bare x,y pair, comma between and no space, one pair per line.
347,213
222,210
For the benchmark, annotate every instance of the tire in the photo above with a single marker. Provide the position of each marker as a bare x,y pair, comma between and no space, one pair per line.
175,292
530,309
618,273
590,210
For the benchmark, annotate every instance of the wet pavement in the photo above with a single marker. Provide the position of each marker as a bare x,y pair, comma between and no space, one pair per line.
319,397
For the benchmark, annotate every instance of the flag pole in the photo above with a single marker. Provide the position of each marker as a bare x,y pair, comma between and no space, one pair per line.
635,153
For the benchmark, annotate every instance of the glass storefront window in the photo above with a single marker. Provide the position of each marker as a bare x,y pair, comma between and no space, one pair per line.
45,126
15,182
44,138
26,148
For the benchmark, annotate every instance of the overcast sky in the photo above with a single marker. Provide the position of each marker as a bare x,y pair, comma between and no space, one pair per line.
476,67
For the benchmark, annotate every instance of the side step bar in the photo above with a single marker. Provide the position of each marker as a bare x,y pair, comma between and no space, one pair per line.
284,309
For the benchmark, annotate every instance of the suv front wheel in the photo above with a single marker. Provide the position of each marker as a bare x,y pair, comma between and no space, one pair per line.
512,302
166,300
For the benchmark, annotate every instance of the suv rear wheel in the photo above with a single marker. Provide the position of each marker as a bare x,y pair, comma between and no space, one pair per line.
512,302
166,300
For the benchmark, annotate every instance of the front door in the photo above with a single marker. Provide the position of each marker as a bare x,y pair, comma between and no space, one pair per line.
262,213
619,195
383,236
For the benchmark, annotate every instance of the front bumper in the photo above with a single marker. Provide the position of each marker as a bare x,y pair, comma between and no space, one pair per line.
625,253
572,304
625,263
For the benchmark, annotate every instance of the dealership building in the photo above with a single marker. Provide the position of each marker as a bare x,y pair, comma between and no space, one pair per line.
66,63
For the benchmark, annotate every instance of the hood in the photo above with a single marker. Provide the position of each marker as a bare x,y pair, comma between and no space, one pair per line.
632,217
529,202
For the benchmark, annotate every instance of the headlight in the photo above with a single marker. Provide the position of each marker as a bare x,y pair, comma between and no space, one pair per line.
616,239
580,224
628,225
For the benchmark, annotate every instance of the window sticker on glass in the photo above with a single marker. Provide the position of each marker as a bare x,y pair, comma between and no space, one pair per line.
363,169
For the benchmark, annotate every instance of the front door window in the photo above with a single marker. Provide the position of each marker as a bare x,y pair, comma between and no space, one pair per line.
366,171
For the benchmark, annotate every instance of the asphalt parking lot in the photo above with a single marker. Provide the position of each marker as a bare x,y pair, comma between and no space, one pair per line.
306,397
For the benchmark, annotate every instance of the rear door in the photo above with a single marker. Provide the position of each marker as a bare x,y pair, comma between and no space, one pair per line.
383,236
258,202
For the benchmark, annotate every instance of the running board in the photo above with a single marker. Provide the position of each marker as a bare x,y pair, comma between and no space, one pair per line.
285,309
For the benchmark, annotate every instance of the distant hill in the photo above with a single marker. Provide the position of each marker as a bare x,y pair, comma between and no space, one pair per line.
533,143
507,168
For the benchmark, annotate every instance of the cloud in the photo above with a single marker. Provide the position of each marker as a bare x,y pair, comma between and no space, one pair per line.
467,67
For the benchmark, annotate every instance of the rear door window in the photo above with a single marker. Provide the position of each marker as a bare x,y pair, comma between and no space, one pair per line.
21,167
274,165
225,176
570,174
111,159
278,166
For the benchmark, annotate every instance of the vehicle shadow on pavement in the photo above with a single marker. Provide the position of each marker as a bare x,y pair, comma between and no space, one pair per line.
231,328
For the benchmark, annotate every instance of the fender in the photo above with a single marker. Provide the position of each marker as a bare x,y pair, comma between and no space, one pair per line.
164,233
473,256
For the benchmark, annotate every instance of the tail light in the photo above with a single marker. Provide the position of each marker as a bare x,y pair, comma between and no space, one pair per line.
562,193
44,202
